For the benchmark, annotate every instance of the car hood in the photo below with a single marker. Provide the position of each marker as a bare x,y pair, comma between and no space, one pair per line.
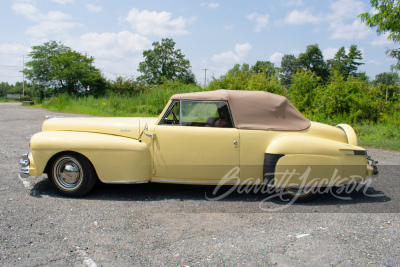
127,127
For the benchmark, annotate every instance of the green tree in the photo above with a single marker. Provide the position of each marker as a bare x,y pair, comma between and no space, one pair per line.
265,67
39,69
351,60
164,62
351,98
57,66
236,78
388,84
303,89
5,88
338,63
346,64
313,60
123,86
386,20
289,66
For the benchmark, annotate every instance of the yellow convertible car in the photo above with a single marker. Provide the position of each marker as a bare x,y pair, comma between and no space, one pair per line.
211,138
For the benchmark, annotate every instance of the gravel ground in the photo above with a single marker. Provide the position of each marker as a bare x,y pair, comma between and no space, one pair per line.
175,225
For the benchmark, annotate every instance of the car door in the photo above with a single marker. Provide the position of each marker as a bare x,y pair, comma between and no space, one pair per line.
195,142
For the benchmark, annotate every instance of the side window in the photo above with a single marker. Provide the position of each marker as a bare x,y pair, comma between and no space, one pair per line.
206,114
172,115
198,113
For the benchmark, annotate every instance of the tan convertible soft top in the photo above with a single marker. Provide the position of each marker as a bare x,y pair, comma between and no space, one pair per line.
255,109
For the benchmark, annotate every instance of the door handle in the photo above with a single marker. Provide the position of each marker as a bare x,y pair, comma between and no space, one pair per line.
235,143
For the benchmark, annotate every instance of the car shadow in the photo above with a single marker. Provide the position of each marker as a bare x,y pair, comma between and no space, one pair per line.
161,192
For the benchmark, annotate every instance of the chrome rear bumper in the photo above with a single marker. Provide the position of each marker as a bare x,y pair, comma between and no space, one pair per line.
24,162
373,164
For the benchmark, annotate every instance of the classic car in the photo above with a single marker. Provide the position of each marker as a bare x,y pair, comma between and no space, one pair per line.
210,138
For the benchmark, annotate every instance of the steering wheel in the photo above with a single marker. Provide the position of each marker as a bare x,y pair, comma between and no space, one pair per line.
176,121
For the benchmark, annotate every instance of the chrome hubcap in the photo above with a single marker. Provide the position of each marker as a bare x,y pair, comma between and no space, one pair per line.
68,173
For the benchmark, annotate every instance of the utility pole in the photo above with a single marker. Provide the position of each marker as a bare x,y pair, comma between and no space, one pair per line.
23,75
387,92
205,77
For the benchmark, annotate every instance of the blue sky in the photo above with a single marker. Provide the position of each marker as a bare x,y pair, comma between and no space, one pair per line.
213,35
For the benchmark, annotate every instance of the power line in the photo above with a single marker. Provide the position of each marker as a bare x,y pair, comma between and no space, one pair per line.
5,75
13,54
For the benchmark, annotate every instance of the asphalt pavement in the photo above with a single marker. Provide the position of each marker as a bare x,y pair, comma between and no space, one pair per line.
176,225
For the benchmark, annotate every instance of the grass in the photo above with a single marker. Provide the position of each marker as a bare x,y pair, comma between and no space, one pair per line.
5,100
384,134
150,102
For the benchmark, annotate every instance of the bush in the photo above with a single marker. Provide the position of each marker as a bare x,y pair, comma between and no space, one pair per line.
25,98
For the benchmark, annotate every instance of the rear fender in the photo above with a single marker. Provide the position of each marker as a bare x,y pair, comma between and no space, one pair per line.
311,161
350,133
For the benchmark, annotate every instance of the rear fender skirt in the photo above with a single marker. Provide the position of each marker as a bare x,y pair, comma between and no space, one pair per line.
270,161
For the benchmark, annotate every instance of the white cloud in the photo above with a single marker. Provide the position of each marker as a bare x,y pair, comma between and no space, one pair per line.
374,62
241,52
342,11
11,55
150,22
316,30
262,21
276,58
354,31
213,5
294,3
382,40
301,17
113,45
329,52
94,9
26,9
53,22
229,26
63,2
116,54
346,9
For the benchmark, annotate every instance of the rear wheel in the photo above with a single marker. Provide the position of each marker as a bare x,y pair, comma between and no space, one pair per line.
72,174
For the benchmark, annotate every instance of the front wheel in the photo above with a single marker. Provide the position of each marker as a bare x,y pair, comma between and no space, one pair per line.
301,195
72,174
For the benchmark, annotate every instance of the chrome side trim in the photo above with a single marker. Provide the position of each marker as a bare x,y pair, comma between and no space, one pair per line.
204,182
53,117
320,185
356,152
47,117
124,182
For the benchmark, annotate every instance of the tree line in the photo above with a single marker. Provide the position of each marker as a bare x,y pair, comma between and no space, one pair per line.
313,84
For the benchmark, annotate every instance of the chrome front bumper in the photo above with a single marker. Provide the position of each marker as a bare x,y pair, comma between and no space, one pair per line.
24,162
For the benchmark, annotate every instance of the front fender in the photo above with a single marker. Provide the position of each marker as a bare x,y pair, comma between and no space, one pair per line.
307,160
115,159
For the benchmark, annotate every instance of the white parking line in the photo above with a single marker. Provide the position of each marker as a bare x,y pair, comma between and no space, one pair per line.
86,259
25,182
